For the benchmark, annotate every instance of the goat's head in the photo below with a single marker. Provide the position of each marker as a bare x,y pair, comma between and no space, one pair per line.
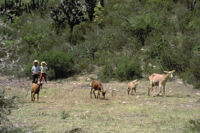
104,93
40,85
135,82
170,73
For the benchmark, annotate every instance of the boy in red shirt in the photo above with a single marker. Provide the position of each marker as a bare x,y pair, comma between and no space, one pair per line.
43,69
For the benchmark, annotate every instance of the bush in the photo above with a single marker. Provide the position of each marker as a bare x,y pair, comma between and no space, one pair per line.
162,55
193,126
194,71
106,73
60,64
6,104
121,68
27,70
128,69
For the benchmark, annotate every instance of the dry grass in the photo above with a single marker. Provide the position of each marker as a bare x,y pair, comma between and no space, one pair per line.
66,106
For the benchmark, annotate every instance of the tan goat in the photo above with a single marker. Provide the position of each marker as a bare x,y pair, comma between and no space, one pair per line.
132,86
97,86
35,89
160,81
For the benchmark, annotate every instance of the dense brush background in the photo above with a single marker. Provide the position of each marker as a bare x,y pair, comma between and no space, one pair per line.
119,40
126,39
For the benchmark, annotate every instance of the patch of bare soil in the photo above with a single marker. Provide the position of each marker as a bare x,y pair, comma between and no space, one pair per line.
9,82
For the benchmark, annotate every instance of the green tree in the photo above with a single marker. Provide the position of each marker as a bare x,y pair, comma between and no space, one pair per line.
70,11
98,16
90,8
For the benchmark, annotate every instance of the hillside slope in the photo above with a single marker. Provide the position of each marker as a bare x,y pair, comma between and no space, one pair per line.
127,39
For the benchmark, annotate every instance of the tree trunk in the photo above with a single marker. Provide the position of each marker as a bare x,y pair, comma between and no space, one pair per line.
102,3
191,4
71,34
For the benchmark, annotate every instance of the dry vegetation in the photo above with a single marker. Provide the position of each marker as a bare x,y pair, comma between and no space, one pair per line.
66,106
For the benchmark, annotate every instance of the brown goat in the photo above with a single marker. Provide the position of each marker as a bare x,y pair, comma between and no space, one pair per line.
132,86
35,89
97,86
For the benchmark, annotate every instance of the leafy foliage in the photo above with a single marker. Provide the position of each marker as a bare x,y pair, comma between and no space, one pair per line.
15,8
71,11
6,105
163,34
60,64
123,68
90,8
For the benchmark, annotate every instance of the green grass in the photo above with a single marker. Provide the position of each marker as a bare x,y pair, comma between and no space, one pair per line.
67,106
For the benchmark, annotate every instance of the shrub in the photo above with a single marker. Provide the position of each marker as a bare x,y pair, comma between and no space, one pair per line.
27,69
193,126
60,64
6,105
128,69
142,26
166,58
121,68
106,73
194,69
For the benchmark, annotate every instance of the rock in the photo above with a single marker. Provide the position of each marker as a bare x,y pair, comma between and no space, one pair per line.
198,94
180,82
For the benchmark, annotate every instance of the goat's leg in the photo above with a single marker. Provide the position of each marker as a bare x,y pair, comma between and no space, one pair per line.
154,93
103,96
150,89
98,96
132,91
33,96
91,92
128,90
135,90
163,90
38,97
159,89
94,94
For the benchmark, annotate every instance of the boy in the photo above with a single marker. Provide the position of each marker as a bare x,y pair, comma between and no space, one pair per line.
43,71
35,71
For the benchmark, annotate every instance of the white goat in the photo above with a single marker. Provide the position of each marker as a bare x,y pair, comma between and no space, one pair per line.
159,80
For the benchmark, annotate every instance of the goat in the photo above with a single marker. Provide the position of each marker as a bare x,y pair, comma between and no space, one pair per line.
35,89
132,86
97,86
159,80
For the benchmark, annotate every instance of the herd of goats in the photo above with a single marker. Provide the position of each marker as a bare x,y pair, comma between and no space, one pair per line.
155,80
